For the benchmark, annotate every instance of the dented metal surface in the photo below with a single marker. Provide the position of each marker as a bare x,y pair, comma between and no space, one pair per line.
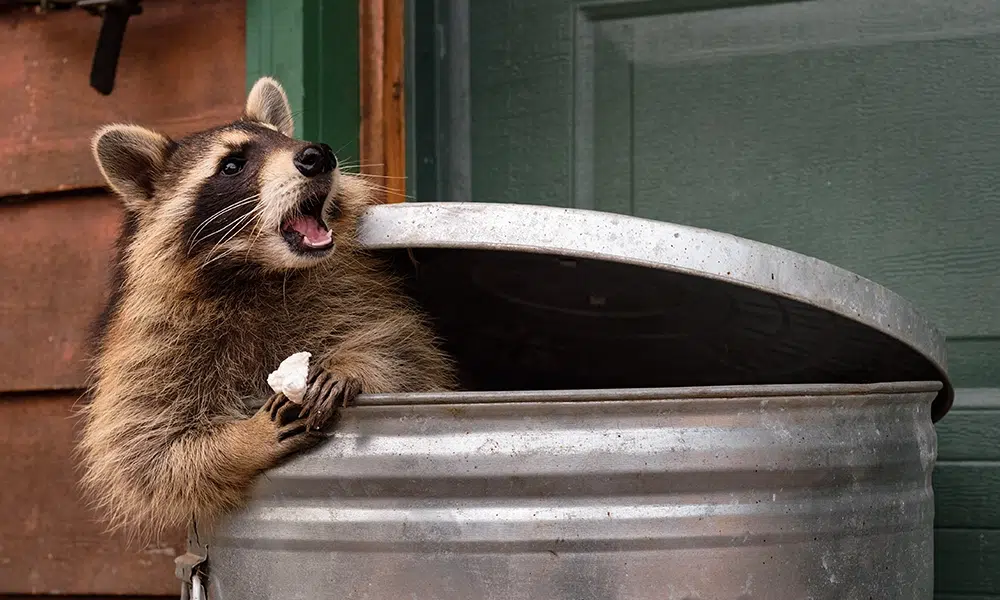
820,492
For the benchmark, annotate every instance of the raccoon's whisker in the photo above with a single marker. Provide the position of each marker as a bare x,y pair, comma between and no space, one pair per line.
215,258
284,292
250,219
230,250
358,169
381,176
346,144
234,229
388,190
225,229
232,206
254,234
240,220
235,205
259,228
367,175
373,184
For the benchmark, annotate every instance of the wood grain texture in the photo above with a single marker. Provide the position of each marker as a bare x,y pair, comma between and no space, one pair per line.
383,104
371,15
55,269
181,70
65,597
394,104
49,541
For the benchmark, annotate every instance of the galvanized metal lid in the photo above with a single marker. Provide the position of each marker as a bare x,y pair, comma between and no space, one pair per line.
535,298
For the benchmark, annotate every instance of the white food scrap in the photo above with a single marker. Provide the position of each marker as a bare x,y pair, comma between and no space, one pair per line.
290,377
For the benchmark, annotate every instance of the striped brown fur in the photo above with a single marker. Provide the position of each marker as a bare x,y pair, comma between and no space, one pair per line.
194,326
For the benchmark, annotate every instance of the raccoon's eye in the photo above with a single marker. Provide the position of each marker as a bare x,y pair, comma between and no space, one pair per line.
232,165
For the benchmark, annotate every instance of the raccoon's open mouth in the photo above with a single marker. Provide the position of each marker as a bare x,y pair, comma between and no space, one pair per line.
304,229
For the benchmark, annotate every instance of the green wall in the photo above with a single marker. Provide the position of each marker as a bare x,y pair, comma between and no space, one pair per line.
311,46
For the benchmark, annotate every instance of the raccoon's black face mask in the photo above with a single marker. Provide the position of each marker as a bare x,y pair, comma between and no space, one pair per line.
244,193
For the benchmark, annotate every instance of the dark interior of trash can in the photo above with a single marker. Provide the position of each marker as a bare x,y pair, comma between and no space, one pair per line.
520,321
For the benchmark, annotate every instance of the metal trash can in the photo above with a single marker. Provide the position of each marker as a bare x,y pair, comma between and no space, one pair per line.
661,412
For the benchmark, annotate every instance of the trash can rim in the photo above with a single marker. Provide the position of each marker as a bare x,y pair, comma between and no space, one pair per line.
708,392
587,234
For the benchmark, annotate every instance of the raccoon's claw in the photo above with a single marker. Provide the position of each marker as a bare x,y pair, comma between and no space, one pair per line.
291,430
324,391
269,404
280,409
285,412
289,424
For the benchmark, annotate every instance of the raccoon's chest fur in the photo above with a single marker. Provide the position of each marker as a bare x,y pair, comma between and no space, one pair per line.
235,352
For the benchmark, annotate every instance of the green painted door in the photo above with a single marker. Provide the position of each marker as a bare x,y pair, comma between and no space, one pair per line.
862,132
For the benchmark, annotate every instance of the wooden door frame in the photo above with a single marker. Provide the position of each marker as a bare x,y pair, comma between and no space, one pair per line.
342,65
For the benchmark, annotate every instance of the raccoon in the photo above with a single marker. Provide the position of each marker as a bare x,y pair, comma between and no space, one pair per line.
237,250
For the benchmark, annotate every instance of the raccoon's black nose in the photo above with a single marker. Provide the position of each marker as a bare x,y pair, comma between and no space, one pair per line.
314,160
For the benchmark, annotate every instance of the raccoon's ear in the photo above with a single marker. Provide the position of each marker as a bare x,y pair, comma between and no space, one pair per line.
130,157
267,103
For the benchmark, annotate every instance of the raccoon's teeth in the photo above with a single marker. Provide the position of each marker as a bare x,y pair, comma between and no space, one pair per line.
314,234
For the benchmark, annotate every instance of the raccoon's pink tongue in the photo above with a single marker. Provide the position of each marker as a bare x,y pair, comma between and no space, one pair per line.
313,234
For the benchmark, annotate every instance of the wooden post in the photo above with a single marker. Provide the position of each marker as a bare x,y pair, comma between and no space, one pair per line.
383,107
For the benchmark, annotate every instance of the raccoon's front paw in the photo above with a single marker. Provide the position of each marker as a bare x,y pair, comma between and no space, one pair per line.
286,422
325,391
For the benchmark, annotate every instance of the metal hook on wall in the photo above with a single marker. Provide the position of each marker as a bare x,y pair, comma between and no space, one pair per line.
114,18
115,15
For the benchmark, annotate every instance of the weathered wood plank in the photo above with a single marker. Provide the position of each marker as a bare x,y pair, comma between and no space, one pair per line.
50,542
383,105
371,34
182,69
394,104
55,271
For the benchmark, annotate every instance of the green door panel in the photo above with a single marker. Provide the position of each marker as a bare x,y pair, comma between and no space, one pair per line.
311,46
967,560
973,361
967,474
966,495
864,133
971,431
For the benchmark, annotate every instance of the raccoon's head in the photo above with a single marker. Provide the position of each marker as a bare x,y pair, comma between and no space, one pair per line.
242,194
